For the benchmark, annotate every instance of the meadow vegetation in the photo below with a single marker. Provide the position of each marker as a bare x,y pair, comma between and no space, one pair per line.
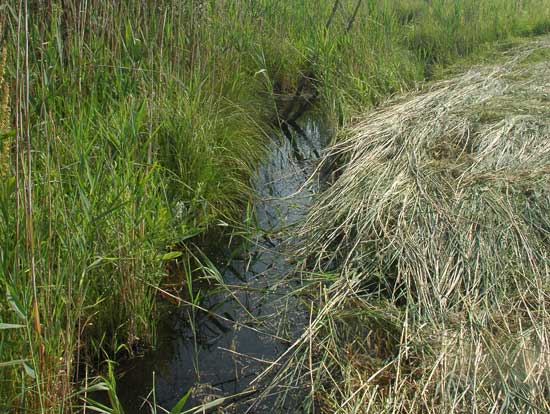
129,128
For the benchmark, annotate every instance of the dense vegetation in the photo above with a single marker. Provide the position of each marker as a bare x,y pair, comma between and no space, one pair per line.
129,127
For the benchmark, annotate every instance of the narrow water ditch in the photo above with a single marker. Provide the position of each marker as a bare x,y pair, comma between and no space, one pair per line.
254,318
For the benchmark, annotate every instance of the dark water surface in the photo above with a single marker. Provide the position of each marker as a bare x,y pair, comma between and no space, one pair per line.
256,317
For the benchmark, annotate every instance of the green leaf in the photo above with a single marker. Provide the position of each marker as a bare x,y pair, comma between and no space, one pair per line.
96,387
10,326
100,260
29,370
14,305
179,406
12,363
7,134
98,407
207,406
7,186
171,255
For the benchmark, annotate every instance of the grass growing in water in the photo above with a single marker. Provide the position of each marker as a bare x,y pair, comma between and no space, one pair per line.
138,125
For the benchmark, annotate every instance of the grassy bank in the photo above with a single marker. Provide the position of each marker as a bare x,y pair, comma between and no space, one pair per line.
436,234
130,127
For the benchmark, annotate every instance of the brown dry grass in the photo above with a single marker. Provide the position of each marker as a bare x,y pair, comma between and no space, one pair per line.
5,142
438,226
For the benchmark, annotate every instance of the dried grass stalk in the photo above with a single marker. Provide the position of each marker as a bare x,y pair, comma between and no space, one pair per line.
438,223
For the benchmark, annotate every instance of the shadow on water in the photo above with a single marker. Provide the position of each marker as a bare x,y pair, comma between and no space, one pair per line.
253,319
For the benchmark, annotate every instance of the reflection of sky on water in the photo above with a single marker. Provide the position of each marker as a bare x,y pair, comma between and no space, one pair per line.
227,355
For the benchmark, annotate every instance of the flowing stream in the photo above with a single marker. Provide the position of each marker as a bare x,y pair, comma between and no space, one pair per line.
254,318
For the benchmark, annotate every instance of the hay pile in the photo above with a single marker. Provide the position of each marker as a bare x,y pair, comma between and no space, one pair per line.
439,218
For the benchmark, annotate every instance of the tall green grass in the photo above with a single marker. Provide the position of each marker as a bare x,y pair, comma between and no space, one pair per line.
138,124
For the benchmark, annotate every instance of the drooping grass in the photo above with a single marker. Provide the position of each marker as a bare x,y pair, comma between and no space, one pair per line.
126,160
438,224
145,122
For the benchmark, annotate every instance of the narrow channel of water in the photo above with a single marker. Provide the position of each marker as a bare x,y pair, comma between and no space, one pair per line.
257,318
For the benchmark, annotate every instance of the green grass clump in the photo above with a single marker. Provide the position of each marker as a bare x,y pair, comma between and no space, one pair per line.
138,126
444,213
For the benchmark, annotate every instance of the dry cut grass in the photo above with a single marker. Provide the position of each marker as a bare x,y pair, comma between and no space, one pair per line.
437,224
4,110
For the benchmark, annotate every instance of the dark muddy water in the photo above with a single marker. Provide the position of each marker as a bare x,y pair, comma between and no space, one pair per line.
250,322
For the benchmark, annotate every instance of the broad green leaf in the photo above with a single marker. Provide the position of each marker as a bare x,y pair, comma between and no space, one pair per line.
179,406
29,370
171,255
7,134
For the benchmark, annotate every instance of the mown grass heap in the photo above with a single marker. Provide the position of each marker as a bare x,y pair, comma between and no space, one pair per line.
437,225
138,125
